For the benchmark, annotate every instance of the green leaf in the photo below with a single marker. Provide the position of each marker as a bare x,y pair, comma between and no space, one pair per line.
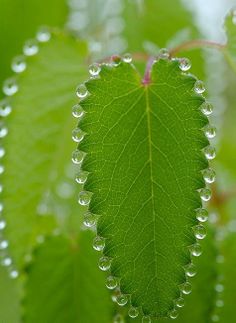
65,285
143,154
39,194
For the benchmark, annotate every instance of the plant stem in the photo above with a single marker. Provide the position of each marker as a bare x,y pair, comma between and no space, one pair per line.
147,77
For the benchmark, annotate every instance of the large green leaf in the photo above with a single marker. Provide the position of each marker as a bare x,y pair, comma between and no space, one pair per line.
38,176
144,156
65,285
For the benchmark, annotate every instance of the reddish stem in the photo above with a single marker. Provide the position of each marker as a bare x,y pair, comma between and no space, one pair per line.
147,76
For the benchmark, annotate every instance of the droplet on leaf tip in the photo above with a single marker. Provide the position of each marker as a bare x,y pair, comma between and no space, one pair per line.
31,48
199,87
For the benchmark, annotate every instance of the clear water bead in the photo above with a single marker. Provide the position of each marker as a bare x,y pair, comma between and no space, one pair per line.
1,207
43,35
18,64
7,261
190,270
115,60
81,177
199,87
84,198
89,219
3,130
118,319
196,250
210,131
173,314
77,135
94,69
199,232
133,312
205,194
111,282
122,299
127,58
210,152
184,64
201,215
5,108
10,87
179,302
207,108
164,53
146,319
2,169
82,91
209,175
186,288
2,224
4,244
104,263
2,150
13,274
77,156
77,111
219,303
31,48
99,243
215,318
219,288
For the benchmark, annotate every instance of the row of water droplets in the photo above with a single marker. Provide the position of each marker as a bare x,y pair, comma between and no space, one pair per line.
10,88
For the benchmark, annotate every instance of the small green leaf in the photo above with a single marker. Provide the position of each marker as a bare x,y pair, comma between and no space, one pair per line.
64,284
144,157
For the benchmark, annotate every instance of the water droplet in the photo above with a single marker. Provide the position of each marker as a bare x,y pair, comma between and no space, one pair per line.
173,314
207,108
133,312
219,303
115,60
40,239
205,194
13,274
146,319
7,261
77,111
127,58
201,215
18,64
210,131
179,302
196,250
43,35
77,157
104,263
199,231
1,188
10,87
111,282
3,130
84,198
77,135
164,53
82,91
81,177
209,175
118,319
94,69
5,109
184,64
215,318
2,224
210,152
4,244
2,150
190,270
186,288
1,207
2,169
219,288
220,259
89,219
199,87
99,243
122,299
31,47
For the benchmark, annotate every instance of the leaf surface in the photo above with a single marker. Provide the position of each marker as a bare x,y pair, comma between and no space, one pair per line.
144,159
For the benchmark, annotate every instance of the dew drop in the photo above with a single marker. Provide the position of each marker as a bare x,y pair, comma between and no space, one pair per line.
115,60
118,319
10,87
133,312
2,169
4,244
77,111
196,250
186,288
200,232
77,156
207,108
122,299
3,130
43,35
210,152
219,288
210,131
77,135
31,48
1,207
2,224
219,303
104,263
184,64
199,87
215,318
94,69
81,177
201,215
111,282
173,314
179,302
89,219
127,58
84,198
190,270
7,261
209,175
164,53
146,319
205,194
5,109
82,91
18,64
13,274
2,150
1,188
99,243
